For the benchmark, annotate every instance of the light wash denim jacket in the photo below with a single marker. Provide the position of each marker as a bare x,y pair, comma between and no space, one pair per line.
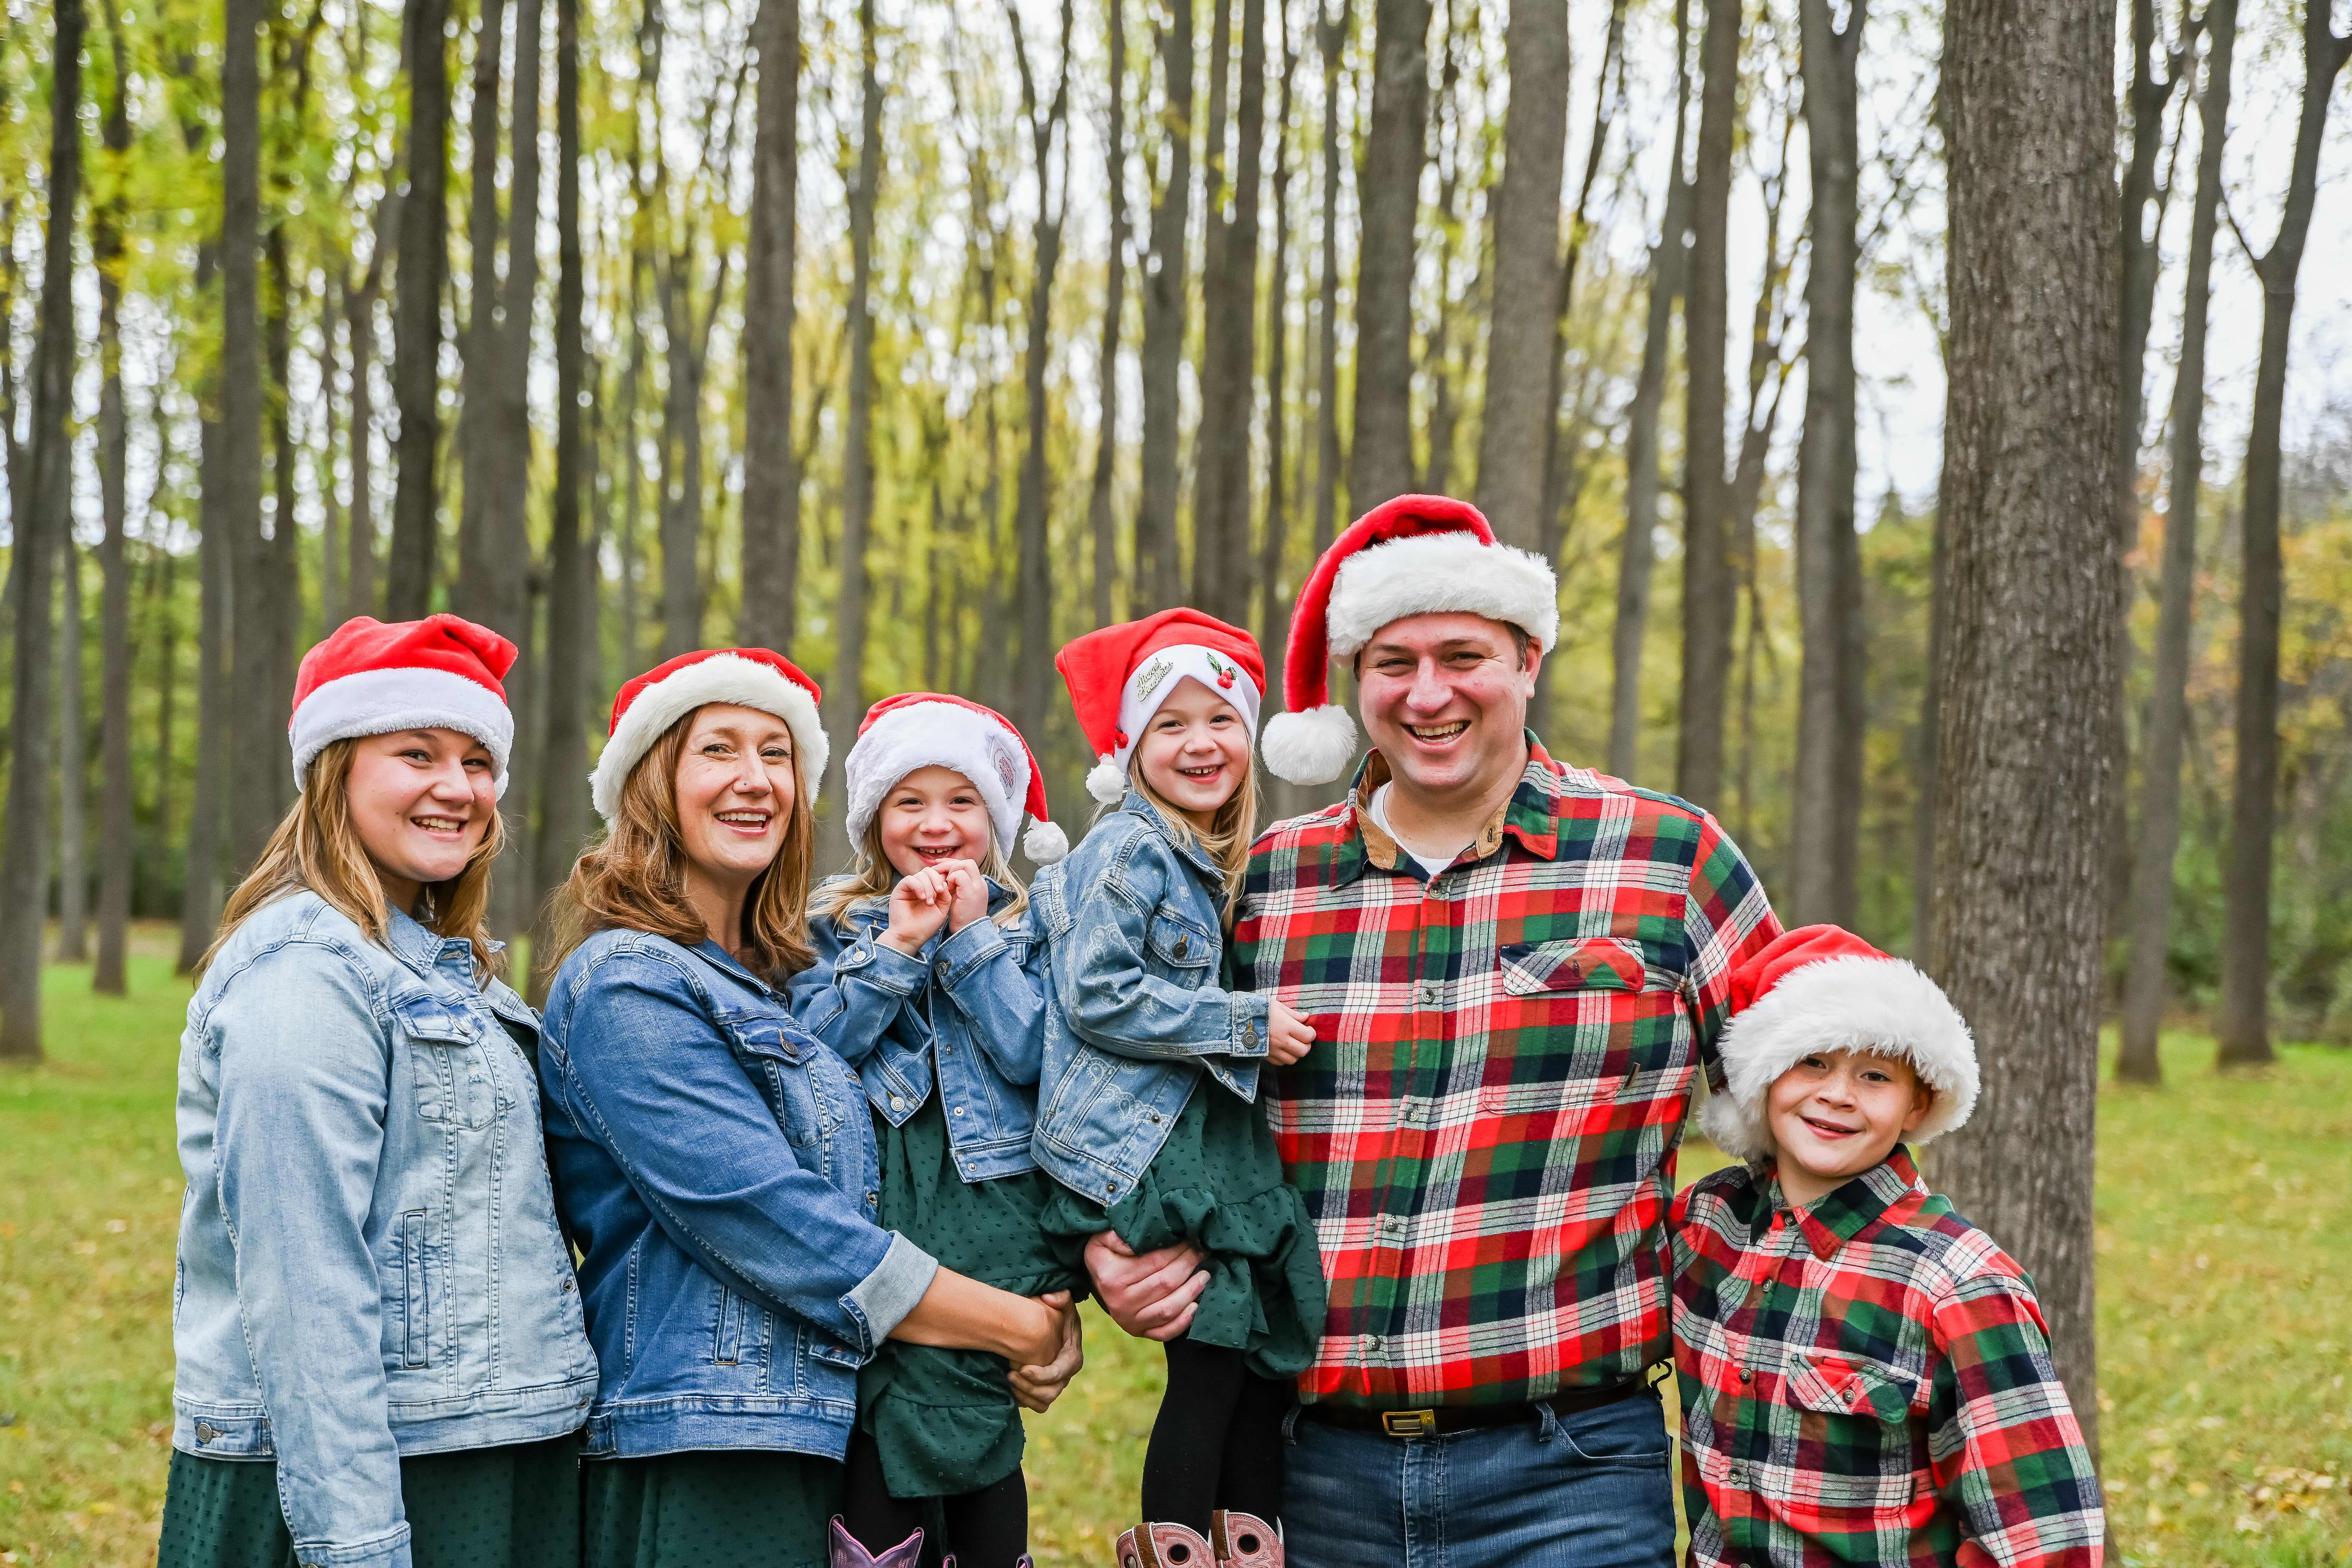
716,1167
977,993
369,1261
1135,1011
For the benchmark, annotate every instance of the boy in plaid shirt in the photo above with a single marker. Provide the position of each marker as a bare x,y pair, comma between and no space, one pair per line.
1866,1377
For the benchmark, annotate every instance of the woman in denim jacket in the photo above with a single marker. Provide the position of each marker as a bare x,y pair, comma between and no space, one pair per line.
712,1160
925,975
1147,1113
381,1360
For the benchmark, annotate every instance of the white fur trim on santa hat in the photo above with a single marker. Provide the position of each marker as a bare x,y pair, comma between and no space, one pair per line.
1851,1004
1310,748
723,678
937,734
1424,574
386,701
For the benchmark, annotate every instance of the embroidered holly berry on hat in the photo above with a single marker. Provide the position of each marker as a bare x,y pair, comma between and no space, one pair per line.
1225,673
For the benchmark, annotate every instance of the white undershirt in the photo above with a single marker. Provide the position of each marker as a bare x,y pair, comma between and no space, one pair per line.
1379,807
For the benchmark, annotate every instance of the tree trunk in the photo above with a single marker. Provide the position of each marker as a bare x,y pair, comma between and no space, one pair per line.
1708,605
1389,206
1166,286
1669,269
1221,508
200,893
47,523
2029,667
73,764
1331,36
115,830
1827,796
277,587
1521,396
164,577
2243,1023
681,477
475,591
2151,904
1273,608
417,312
771,484
253,750
1102,526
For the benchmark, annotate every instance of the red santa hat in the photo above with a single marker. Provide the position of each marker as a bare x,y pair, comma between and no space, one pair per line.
1821,988
750,677
932,729
1119,677
368,678
1410,556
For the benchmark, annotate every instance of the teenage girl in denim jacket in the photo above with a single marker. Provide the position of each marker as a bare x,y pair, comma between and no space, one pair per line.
927,981
1147,1113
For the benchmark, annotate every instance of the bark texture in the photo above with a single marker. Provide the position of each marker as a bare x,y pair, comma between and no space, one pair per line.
1389,205
1166,297
115,828
416,314
1102,525
1221,499
772,486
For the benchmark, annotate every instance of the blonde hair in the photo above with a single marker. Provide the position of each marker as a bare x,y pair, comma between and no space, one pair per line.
873,878
636,879
1231,830
315,850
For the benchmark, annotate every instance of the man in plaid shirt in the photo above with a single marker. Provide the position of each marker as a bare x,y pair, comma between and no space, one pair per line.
1513,970
1866,1376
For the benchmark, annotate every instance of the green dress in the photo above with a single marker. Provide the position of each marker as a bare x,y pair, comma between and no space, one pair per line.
732,1507
517,1506
945,1422
1217,1183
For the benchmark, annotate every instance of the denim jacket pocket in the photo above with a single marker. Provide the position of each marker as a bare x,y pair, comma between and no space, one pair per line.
408,1292
808,1106
1185,946
455,1084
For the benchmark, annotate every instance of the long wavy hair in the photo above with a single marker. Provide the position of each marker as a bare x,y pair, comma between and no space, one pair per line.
316,849
873,876
1231,830
636,879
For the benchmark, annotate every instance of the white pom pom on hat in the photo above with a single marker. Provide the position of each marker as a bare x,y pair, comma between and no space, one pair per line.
932,728
1414,556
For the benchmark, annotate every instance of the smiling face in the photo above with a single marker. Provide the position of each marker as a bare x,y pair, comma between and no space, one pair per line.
1195,752
420,802
1837,1113
736,786
933,814
1444,697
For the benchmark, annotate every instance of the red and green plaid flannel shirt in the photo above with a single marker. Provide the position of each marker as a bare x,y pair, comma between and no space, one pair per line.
1485,1130
1867,1381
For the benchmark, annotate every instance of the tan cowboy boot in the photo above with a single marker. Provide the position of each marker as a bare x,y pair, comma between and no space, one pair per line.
1243,1541
1164,1546
846,1550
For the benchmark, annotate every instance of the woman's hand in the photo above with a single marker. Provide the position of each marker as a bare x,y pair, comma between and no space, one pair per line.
1036,1387
919,907
1151,1295
967,890
958,1313
1287,1035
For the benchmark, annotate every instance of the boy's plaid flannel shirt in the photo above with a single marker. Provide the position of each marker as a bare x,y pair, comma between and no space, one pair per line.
1484,1130
1867,1381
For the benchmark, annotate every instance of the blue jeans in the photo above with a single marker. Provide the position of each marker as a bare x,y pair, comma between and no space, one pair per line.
1590,1489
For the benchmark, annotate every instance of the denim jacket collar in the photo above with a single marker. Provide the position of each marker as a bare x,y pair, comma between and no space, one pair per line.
1187,846
426,950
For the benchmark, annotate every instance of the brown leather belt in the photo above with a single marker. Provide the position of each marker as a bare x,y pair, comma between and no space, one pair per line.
1439,1420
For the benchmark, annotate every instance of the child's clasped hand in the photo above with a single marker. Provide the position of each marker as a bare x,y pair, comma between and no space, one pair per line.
952,893
1287,1035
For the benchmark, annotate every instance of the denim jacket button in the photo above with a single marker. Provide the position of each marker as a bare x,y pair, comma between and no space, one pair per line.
897,1102
872,1199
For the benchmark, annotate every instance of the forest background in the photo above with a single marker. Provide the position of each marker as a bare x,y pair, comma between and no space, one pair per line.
2016,642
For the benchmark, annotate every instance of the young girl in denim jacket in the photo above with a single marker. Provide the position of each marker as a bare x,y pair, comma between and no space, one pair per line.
1149,1115
927,982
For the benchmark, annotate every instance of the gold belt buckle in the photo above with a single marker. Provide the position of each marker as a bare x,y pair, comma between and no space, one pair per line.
1409,1423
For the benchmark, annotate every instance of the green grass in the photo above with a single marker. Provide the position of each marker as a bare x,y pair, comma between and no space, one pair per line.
2225,1205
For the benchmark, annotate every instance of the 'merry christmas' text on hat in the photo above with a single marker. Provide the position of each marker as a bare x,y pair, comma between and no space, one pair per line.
1414,556
1121,675
368,678
931,728
1821,988
748,677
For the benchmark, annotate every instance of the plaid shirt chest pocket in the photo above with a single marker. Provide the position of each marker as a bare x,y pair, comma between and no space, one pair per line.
1846,1435
1582,1021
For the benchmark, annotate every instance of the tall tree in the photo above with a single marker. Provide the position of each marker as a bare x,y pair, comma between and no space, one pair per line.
2150,909
771,485
1033,585
1220,502
506,468
114,808
46,524
416,316
1166,300
1273,608
2243,1023
1102,527
475,591
253,748
200,899
1389,202
1521,357
2031,589
1708,604
73,762
1332,40
1826,800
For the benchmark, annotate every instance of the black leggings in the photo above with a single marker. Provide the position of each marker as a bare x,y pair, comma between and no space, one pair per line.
1218,1440
986,1529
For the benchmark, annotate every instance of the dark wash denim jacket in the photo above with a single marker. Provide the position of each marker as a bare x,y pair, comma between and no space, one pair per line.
1135,1012
369,1261
977,993
715,1166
